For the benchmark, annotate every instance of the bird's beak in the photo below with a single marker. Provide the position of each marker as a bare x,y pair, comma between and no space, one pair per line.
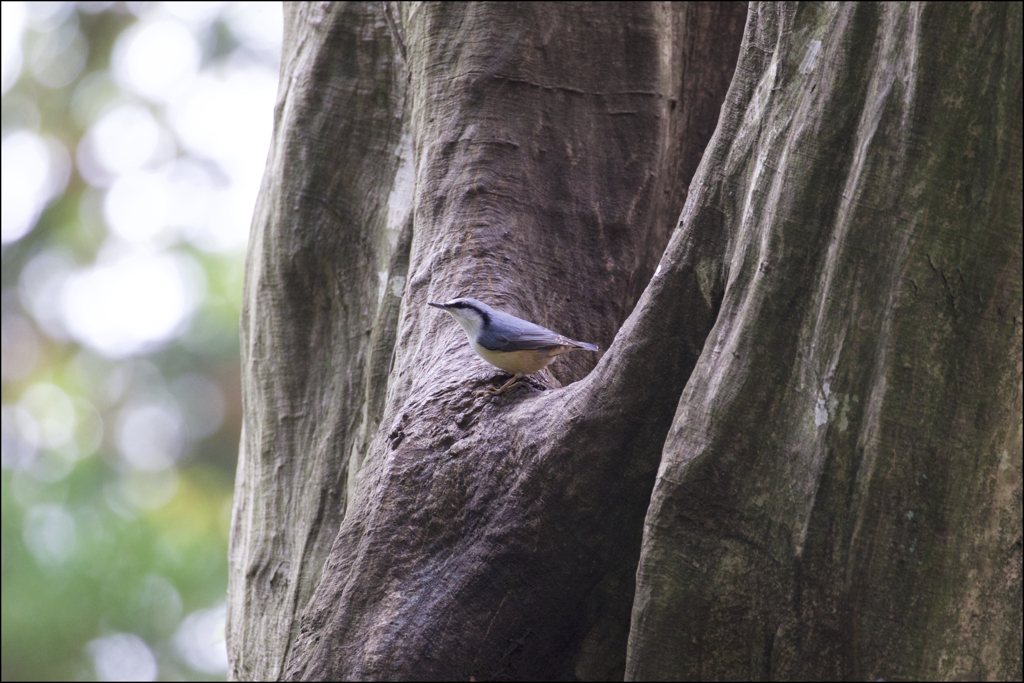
441,306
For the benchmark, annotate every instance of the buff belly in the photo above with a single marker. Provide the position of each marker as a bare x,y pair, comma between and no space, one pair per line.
520,362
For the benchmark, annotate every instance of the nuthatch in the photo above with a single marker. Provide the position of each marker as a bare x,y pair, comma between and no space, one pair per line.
507,342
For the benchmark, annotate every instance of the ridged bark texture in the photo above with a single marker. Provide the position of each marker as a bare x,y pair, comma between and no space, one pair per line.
839,495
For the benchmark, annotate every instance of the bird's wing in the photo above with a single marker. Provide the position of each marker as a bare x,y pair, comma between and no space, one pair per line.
522,335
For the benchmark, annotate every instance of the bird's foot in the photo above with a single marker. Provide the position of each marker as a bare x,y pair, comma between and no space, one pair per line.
491,391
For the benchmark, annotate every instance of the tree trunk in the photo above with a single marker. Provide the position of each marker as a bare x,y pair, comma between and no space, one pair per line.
821,383
839,495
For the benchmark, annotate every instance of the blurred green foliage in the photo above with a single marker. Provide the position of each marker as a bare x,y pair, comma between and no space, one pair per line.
118,461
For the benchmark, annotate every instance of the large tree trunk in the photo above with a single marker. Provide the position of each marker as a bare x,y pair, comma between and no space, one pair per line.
840,493
821,383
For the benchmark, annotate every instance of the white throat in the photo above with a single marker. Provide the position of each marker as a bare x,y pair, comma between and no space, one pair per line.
471,322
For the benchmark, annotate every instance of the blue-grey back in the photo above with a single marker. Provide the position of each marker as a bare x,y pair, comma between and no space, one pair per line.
508,333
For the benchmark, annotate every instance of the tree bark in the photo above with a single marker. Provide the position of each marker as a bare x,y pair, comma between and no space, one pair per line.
840,492
543,152
326,265
821,383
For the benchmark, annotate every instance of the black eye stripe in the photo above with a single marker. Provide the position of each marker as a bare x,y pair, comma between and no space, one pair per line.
470,307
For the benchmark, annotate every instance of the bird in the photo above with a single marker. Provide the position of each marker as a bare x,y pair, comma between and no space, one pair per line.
507,342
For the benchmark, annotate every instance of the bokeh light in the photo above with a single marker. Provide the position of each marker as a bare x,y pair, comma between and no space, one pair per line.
130,301
34,171
123,657
134,137
141,61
